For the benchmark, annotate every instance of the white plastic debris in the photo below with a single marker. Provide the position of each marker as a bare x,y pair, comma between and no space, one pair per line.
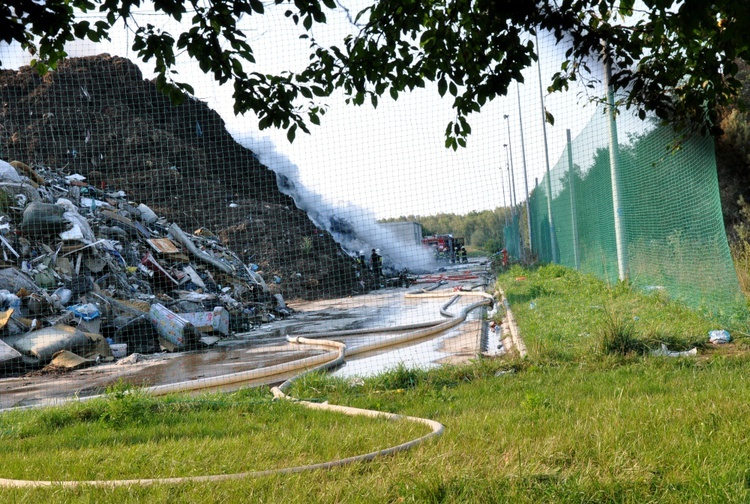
665,352
8,173
80,230
147,215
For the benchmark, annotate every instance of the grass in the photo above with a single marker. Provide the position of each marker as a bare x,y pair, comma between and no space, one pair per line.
566,316
131,435
575,422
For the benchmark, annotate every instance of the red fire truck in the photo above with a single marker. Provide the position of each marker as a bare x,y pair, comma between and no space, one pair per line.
445,246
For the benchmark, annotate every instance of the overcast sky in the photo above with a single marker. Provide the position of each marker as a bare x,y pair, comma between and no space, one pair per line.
390,160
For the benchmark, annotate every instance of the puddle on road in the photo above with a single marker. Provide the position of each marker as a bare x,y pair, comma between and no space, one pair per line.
457,345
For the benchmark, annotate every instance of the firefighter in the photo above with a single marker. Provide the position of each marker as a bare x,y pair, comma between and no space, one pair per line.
376,263
361,264
464,256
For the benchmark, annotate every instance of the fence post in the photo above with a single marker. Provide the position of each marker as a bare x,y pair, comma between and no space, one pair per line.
552,234
573,214
622,254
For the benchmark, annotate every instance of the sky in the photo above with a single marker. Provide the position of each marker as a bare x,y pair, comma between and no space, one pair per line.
390,161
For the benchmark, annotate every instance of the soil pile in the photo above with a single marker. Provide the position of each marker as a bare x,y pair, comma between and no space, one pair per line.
98,117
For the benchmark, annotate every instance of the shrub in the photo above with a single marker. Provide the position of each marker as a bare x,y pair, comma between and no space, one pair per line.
618,336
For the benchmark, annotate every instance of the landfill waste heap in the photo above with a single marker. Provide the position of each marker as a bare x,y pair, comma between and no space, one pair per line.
130,222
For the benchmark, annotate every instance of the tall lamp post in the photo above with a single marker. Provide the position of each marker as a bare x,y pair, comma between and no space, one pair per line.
510,161
505,206
523,158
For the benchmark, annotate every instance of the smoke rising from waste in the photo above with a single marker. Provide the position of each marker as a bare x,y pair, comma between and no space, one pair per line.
354,228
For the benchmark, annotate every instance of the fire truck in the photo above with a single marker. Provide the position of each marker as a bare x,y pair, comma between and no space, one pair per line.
444,246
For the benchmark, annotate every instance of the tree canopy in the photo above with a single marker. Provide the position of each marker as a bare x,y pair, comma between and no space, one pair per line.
676,58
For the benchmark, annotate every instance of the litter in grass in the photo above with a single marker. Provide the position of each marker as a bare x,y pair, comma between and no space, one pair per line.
719,337
663,351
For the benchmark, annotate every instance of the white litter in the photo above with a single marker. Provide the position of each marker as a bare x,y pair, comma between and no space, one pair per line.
665,352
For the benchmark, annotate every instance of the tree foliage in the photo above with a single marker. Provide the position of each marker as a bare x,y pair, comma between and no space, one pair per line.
676,58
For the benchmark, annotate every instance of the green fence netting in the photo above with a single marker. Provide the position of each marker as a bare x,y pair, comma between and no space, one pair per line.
512,236
670,209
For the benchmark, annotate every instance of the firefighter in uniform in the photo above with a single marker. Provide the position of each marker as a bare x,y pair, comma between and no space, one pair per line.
376,263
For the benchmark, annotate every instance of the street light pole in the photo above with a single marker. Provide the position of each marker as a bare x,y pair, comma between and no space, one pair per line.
523,158
505,206
512,172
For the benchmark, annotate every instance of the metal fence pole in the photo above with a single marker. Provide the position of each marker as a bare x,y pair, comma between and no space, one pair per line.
622,254
552,234
573,214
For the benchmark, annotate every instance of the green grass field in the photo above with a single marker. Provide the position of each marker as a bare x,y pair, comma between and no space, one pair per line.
589,416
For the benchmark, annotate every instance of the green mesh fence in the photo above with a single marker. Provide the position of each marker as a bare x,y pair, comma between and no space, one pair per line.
512,237
671,213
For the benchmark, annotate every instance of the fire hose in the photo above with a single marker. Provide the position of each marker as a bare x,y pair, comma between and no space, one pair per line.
308,365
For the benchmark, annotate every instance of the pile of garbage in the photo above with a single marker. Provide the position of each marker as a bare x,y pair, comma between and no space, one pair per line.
87,276
99,117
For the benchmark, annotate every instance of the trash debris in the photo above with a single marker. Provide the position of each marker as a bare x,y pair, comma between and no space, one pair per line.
119,350
663,351
8,356
719,337
65,359
133,358
87,276
216,320
38,347
87,311
173,328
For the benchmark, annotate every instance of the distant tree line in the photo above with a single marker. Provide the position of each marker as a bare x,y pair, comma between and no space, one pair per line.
481,230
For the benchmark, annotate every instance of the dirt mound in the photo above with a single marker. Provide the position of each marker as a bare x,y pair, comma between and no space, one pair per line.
98,117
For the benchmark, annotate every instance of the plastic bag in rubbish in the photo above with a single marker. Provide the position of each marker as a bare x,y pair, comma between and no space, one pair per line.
87,311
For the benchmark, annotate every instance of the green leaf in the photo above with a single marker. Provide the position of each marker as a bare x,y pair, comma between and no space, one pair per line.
442,86
257,6
291,133
626,7
453,89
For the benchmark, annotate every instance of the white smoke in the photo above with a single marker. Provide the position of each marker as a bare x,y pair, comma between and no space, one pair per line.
355,228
